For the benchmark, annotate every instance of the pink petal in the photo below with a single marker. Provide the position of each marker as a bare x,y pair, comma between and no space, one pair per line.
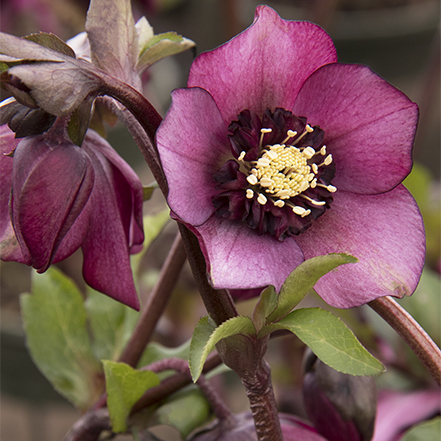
385,232
237,257
106,265
50,188
193,144
369,126
127,183
264,66
9,247
398,411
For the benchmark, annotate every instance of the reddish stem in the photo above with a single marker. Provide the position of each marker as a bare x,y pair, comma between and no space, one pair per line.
411,332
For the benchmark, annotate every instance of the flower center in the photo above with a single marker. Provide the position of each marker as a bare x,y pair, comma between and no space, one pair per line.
280,179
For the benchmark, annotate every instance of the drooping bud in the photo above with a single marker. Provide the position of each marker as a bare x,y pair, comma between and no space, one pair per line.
342,407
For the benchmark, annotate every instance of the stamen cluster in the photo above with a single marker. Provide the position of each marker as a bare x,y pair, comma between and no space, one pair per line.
280,179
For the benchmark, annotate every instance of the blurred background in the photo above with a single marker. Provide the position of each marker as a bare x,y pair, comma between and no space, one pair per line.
399,39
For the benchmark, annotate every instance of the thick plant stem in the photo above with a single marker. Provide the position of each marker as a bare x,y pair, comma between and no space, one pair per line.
411,332
263,405
155,304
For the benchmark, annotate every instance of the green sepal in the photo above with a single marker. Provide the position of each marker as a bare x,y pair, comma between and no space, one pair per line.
303,279
124,387
54,320
330,340
147,191
51,41
206,335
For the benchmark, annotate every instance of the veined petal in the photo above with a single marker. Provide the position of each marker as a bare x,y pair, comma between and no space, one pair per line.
238,258
128,189
106,264
50,187
9,246
369,126
385,232
264,66
193,144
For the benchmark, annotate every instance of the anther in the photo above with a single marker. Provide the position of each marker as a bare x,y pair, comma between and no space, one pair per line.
314,167
279,203
298,210
312,200
323,151
308,128
266,182
262,134
262,199
291,134
263,162
252,179
309,152
241,156
327,160
330,188
249,193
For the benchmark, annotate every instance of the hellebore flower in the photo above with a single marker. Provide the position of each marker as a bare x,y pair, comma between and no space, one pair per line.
62,197
276,153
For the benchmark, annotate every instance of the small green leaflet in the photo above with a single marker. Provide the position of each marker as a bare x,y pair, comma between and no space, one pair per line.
147,191
125,386
55,324
206,335
303,279
330,339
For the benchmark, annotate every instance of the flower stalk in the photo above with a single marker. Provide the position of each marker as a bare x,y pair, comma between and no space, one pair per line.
411,332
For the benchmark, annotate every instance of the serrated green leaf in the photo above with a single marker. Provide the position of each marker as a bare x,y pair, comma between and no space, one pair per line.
206,335
125,386
303,279
429,430
264,307
51,41
54,319
185,411
330,340
111,323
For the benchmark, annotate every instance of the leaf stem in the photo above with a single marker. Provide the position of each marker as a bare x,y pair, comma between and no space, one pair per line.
411,332
156,303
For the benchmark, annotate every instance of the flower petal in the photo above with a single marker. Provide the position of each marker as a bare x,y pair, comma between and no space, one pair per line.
126,183
369,126
193,144
385,232
50,187
9,246
237,257
106,264
264,66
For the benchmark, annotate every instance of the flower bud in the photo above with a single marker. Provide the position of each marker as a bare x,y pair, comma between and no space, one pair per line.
342,407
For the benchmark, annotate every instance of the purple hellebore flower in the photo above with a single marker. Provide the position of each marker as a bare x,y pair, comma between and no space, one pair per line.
276,153
62,197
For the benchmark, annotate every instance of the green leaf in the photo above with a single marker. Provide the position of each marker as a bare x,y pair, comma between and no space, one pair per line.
51,41
155,351
125,386
206,335
55,324
147,191
185,411
161,46
302,279
330,340
265,306
111,323
429,430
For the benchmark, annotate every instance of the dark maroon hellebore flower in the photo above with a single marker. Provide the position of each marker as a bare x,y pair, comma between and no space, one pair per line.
57,197
276,153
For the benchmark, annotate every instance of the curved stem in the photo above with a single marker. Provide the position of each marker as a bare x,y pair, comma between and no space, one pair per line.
411,332
155,304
